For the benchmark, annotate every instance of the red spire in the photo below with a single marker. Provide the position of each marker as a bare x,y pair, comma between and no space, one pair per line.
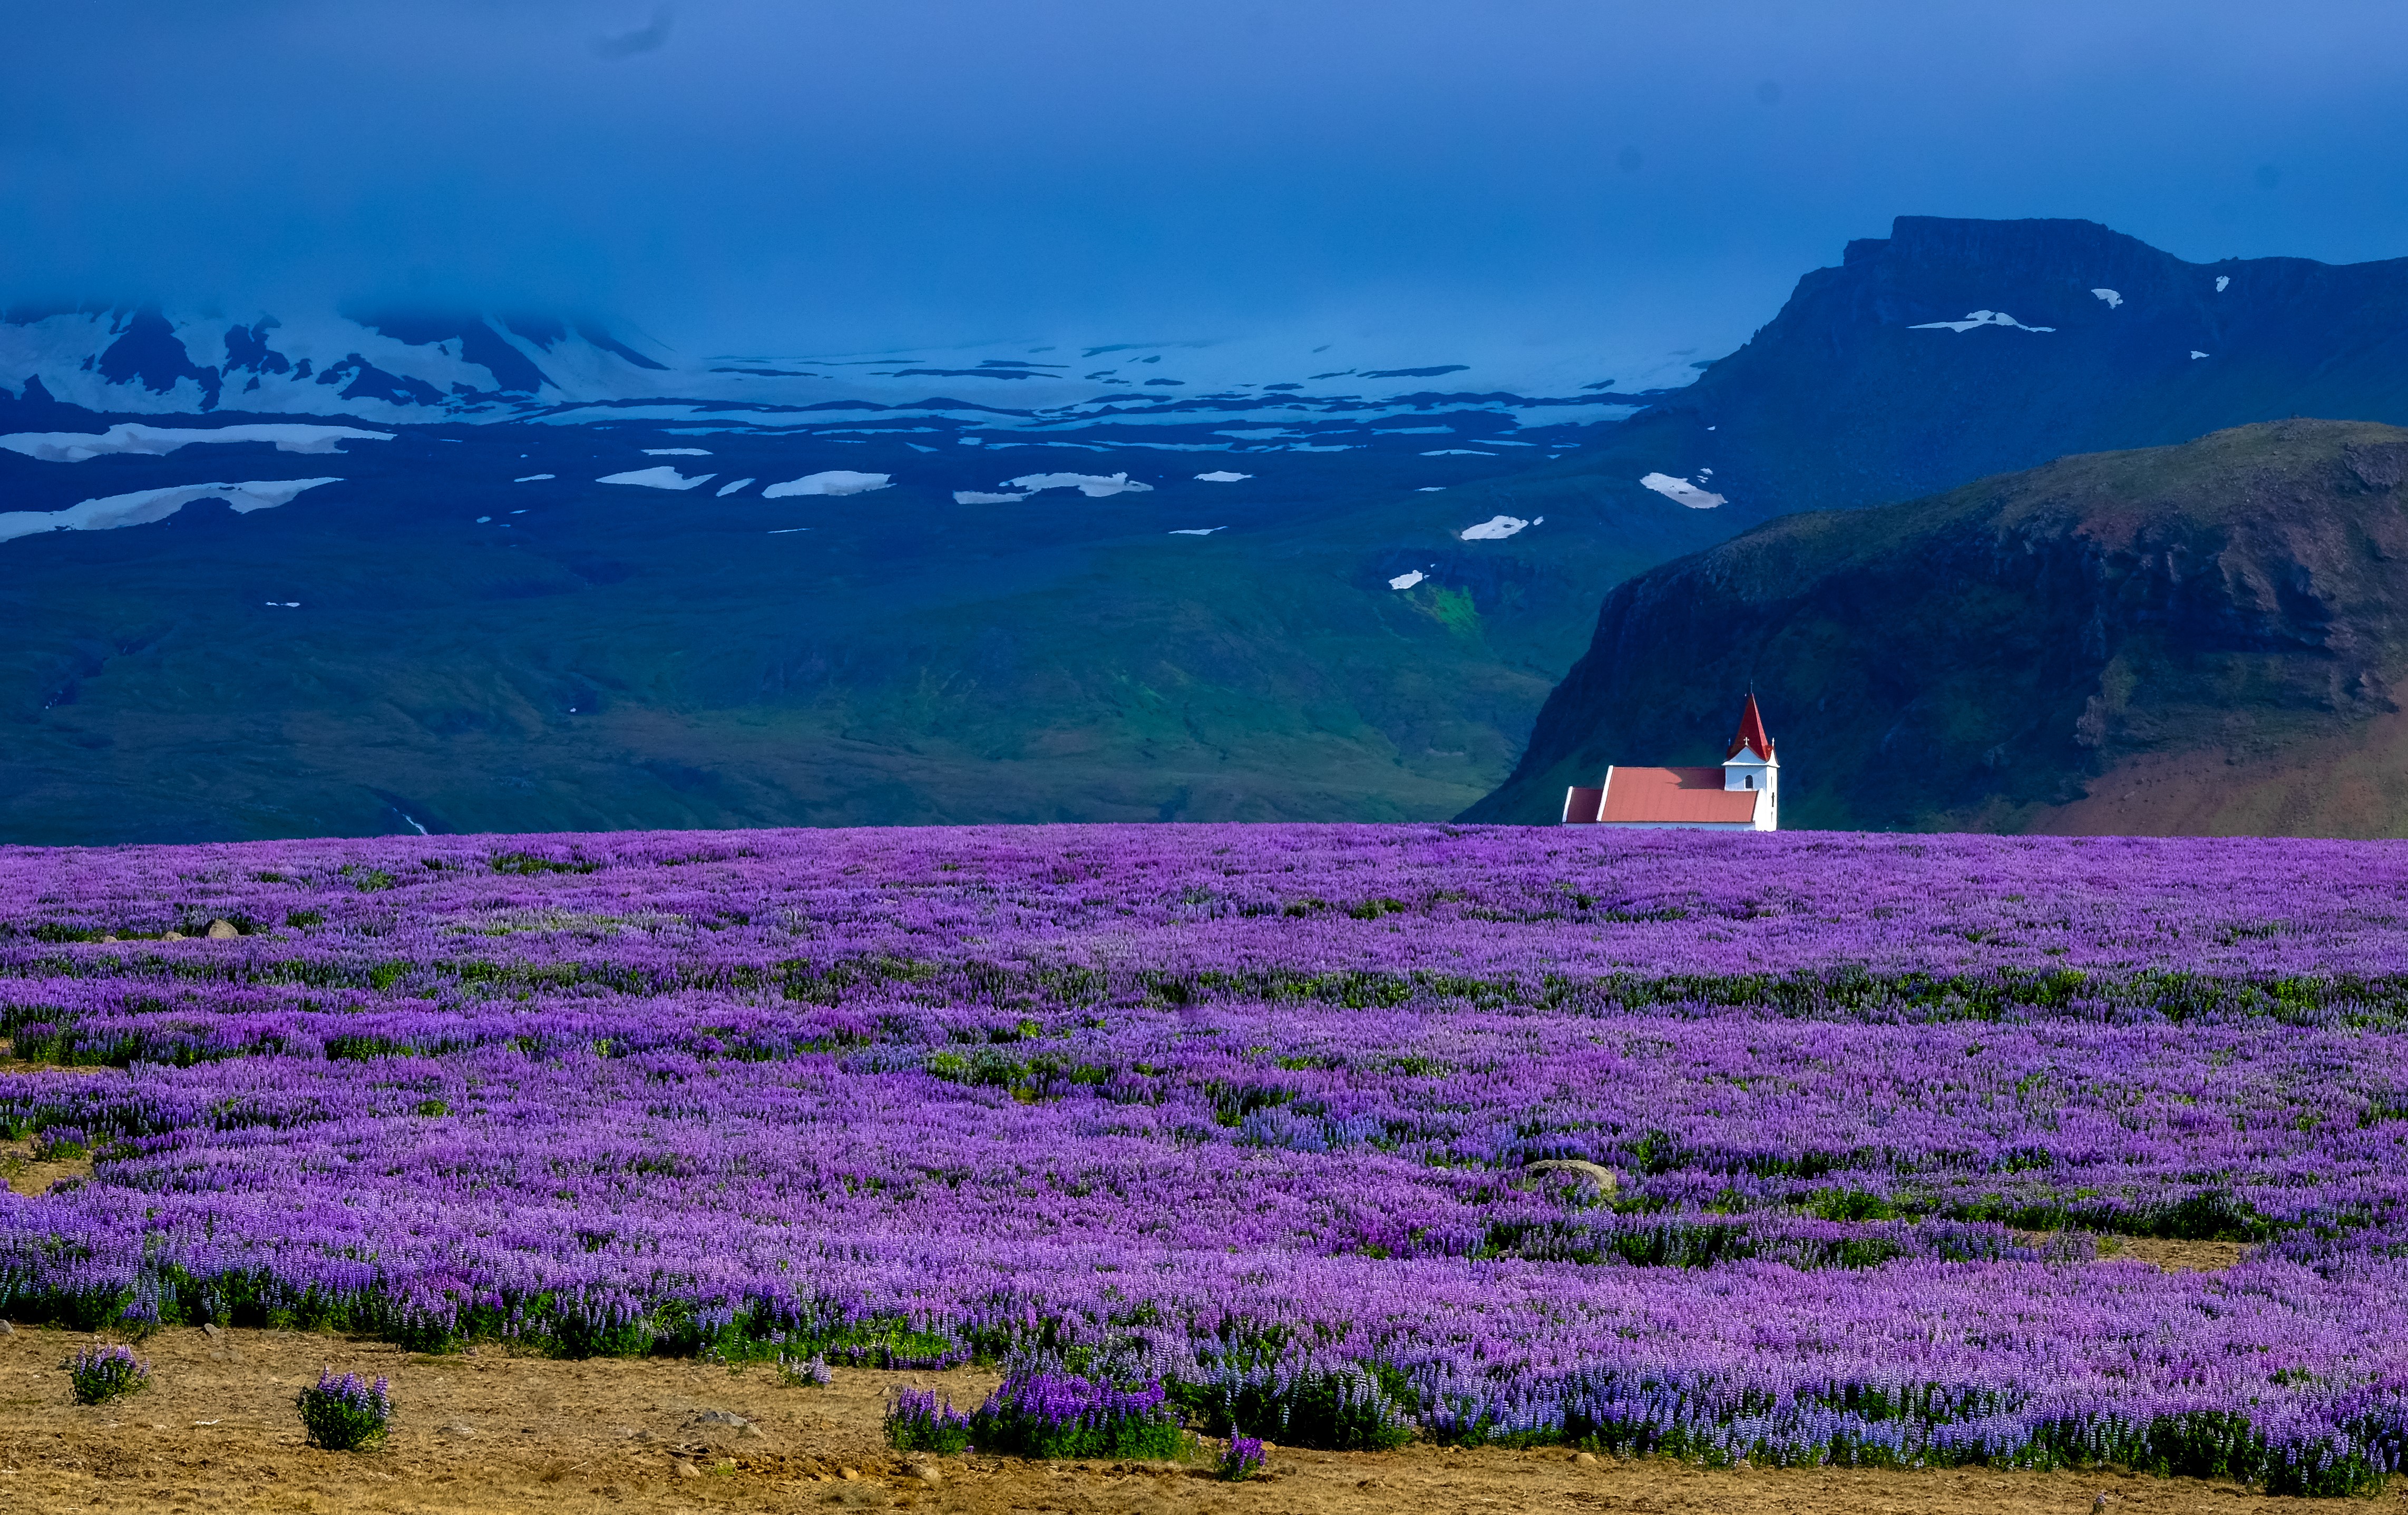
1751,732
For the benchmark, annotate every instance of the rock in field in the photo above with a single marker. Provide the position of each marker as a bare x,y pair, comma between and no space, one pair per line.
719,1424
1595,1176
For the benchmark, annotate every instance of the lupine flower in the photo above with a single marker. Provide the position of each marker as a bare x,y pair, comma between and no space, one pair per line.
345,1414
1244,1459
807,1372
917,1420
99,1374
1045,1413
1249,1113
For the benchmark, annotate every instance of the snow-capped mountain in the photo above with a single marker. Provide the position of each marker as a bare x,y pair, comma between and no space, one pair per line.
398,368
383,368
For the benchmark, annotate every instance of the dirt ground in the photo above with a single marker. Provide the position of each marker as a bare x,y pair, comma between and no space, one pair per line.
2172,1256
487,1432
29,1177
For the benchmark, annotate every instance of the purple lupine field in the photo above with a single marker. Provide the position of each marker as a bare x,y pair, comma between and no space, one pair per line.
1250,1109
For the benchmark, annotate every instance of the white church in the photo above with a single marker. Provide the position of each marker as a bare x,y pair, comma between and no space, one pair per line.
1742,795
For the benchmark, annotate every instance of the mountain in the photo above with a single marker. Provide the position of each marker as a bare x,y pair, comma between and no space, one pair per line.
1953,348
414,366
507,571
394,367
2201,638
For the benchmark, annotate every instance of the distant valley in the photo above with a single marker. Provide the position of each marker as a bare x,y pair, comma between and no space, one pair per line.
550,585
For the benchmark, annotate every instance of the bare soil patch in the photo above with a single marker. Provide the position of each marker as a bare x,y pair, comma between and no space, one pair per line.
2166,1255
488,1432
2173,1256
29,1177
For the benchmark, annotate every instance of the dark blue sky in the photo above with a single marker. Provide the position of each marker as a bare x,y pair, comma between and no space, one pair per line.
765,175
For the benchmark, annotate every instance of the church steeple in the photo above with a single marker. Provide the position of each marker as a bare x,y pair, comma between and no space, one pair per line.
1751,737
1749,764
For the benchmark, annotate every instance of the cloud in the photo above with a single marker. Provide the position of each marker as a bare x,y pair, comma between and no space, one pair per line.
798,180
643,39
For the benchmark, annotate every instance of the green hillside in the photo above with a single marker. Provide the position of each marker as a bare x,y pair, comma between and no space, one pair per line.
2205,637
613,658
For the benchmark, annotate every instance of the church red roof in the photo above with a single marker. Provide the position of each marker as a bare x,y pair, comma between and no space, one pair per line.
1662,795
1751,732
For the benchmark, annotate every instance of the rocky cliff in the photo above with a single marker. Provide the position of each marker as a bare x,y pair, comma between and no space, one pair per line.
2000,655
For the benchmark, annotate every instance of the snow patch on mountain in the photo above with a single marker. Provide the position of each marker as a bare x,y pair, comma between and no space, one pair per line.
1977,318
1495,528
144,506
1682,492
1093,485
833,481
2111,299
663,477
158,442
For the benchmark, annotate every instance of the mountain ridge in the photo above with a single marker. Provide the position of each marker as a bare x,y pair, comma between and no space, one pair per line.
1857,392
